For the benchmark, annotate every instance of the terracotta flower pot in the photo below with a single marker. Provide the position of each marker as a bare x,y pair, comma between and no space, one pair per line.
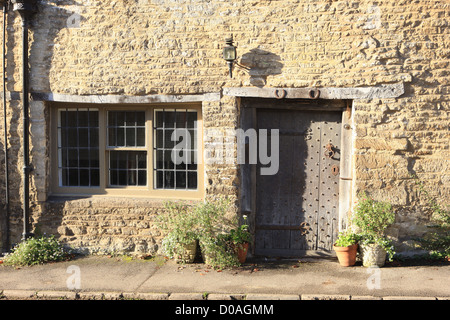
242,249
346,255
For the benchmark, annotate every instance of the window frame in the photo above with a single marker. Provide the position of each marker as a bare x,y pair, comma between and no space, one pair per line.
66,149
175,170
148,191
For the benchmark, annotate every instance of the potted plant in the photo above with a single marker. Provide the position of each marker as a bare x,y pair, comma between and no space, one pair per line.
346,248
179,224
375,250
241,238
180,247
372,218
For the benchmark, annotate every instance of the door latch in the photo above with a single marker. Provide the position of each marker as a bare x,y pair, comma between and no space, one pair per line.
304,228
329,152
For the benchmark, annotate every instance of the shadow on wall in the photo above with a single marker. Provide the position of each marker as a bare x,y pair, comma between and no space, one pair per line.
44,28
261,64
46,25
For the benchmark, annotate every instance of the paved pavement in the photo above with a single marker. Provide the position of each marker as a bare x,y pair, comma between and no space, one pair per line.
100,277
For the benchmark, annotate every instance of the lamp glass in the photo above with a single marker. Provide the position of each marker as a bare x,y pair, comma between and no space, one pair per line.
229,53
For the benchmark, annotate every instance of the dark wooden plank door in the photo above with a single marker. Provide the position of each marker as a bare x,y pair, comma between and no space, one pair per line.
297,208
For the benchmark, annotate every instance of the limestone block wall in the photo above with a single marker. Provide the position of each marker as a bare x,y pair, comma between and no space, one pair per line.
172,47
104,226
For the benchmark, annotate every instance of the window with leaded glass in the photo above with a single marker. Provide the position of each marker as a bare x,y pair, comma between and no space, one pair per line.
126,137
78,147
126,150
175,149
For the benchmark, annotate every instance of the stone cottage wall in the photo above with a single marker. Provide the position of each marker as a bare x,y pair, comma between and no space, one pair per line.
172,47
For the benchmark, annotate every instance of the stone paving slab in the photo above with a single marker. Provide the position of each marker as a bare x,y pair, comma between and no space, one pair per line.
259,296
225,296
324,297
365,298
193,296
71,295
146,296
18,294
112,279
186,296
408,298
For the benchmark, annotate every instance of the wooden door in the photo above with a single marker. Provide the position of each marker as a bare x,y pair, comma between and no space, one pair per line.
297,208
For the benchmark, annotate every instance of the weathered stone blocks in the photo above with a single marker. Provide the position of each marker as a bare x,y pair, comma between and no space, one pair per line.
140,48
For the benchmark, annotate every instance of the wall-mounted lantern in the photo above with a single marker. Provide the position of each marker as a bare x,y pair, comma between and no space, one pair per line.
26,8
229,54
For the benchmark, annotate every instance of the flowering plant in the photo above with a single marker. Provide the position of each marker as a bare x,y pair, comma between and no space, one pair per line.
206,222
37,251
178,222
241,234
214,225
372,217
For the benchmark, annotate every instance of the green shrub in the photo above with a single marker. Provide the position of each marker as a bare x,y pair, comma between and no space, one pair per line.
385,243
438,242
36,251
208,222
219,252
179,224
214,233
373,217
346,239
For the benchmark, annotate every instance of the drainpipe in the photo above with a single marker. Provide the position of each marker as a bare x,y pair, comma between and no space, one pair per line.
26,9
4,5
